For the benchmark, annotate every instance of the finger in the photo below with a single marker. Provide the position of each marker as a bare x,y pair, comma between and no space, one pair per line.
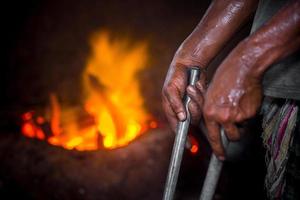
231,131
171,116
174,97
201,86
214,138
196,103
195,112
174,89
196,95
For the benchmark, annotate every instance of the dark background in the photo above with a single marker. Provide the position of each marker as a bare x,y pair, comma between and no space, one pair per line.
46,43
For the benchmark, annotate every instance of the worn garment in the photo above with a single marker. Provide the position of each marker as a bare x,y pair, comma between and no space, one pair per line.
292,175
280,130
282,80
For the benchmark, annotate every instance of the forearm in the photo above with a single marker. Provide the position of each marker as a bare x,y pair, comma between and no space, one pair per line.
222,19
273,41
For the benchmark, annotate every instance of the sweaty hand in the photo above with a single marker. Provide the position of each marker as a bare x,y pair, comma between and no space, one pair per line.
173,91
233,96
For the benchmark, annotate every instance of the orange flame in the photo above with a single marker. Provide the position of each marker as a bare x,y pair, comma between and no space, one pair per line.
113,112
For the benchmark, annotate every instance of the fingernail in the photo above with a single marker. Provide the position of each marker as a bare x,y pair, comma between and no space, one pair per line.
199,86
181,116
191,89
222,158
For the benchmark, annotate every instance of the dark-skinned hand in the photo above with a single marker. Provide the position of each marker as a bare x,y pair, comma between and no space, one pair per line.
233,96
175,88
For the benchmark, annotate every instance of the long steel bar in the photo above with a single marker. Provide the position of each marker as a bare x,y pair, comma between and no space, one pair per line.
179,143
213,173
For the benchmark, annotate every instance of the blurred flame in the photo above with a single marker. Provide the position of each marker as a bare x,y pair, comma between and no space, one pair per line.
194,149
30,129
194,145
113,106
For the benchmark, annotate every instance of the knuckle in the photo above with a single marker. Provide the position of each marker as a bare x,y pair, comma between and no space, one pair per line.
243,117
217,150
224,117
240,118
170,87
166,89
232,132
213,138
175,104
208,112
233,136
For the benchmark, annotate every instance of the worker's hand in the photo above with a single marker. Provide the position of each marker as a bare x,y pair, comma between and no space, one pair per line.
174,89
235,93
220,22
233,96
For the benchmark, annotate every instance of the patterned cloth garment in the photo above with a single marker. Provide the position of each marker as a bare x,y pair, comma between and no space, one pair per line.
281,138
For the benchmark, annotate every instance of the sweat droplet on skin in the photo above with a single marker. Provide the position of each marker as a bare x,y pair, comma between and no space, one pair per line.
232,99
234,96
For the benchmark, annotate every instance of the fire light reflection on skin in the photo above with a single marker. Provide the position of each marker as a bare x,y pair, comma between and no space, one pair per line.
235,93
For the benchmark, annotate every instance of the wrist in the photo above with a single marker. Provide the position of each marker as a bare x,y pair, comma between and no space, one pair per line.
257,55
190,62
185,56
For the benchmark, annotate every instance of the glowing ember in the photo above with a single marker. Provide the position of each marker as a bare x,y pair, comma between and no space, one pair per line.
194,149
194,144
112,114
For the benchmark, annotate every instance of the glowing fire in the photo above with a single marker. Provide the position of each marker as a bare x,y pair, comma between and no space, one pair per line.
193,144
112,114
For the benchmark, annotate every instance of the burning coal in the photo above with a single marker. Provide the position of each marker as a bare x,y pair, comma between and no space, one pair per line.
112,112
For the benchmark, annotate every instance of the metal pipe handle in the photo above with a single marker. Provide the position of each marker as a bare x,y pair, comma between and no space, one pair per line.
180,141
213,172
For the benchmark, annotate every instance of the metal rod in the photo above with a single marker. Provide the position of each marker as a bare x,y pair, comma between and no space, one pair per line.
213,172
179,143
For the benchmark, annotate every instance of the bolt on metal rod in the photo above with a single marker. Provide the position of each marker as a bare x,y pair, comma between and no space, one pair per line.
180,141
213,172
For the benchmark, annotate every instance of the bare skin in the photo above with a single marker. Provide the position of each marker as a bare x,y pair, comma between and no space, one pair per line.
220,22
235,92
